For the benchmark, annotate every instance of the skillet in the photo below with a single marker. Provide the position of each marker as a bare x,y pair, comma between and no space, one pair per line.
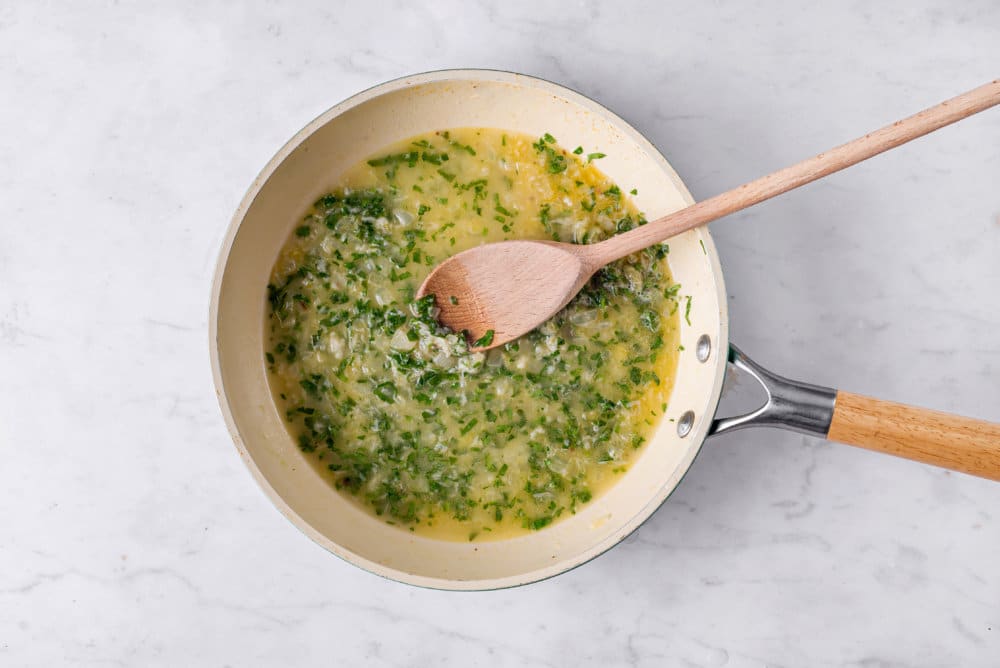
311,162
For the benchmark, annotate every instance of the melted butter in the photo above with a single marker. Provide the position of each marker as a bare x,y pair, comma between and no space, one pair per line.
395,412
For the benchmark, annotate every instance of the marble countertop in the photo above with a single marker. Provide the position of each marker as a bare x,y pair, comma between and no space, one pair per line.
134,536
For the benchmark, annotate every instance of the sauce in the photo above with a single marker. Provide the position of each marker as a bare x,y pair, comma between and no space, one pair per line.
395,411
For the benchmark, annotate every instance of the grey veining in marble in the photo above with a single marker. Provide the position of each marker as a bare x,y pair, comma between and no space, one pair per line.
132,535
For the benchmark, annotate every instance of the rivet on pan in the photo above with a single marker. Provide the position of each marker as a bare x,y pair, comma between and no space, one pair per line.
685,423
703,348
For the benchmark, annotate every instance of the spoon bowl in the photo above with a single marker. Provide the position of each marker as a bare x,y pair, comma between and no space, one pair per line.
498,292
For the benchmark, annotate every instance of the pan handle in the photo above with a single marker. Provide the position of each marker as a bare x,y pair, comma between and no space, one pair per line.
950,441
790,404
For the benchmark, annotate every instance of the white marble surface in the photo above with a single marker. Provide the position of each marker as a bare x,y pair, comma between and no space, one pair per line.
132,534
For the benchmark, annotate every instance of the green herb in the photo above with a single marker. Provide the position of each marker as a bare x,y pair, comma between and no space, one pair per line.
395,277
595,156
434,158
485,340
464,147
556,163
409,157
498,207
386,391
397,410
469,426
544,218
303,231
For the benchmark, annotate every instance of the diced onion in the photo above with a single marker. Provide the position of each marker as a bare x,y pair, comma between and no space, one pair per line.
403,217
401,342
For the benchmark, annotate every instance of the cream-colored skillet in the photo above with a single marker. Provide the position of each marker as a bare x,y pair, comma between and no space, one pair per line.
309,164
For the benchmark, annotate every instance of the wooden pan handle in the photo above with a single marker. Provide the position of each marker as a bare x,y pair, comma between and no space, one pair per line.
953,442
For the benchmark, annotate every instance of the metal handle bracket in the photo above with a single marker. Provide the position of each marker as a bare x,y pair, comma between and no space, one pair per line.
790,404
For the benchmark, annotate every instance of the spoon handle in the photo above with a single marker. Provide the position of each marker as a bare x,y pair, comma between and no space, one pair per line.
807,171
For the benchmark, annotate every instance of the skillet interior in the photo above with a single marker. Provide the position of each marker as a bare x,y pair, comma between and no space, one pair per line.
305,168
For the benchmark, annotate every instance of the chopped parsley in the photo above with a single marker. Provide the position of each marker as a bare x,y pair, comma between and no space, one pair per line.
396,410
485,340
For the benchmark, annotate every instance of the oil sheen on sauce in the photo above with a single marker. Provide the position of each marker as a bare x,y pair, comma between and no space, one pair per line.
395,411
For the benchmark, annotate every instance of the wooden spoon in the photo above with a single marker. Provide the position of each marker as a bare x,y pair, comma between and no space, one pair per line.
497,292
